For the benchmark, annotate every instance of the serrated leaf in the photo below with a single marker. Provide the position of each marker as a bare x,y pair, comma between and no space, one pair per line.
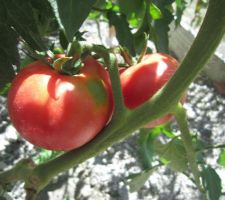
139,36
154,11
123,32
138,180
161,26
71,14
20,15
211,183
221,160
173,153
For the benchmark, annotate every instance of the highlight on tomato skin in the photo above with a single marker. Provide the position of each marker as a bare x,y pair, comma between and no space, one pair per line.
56,111
141,81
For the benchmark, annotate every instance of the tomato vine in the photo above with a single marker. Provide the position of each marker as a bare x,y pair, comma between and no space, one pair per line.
125,121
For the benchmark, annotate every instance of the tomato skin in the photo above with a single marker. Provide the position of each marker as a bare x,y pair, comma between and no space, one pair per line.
55,111
141,81
96,70
159,121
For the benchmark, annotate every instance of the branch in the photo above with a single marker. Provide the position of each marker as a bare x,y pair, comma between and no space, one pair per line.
111,64
180,115
20,172
220,146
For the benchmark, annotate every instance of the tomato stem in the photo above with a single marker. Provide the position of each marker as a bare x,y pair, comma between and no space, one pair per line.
126,56
20,171
111,64
220,146
143,52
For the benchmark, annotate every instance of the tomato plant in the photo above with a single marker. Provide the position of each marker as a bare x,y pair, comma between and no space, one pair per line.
56,111
141,81
62,112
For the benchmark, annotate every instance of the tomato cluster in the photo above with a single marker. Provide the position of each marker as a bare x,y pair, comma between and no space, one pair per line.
61,112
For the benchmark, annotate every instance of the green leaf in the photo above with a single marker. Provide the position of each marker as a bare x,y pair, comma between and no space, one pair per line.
20,15
71,14
155,11
173,153
145,148
123,32
46,155
94,15
146,142
8,57
136,181
180,7
221,160
44,16
134,11
161,26
145,28
166,130
211,183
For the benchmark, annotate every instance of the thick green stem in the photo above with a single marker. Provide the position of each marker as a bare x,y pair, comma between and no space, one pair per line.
20,172
180,115
111,64
68,160
119,128
207,40
116,86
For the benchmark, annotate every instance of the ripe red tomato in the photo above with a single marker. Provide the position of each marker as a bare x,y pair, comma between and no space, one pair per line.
56,111
140,82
